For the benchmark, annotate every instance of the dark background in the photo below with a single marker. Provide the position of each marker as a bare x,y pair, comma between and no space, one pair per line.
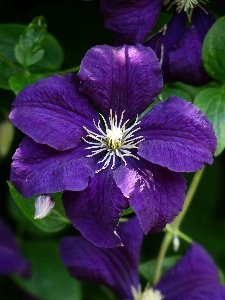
78,25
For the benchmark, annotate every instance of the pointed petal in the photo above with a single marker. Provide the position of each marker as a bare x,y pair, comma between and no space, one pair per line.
10,258
155,193
187,54
53,112
39,169
132,20
177,136
117,268
194,277
124,78
95,212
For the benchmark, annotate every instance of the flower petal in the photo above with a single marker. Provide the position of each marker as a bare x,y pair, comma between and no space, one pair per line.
53,112
187,54
124,78
164,41
117,268
155,193
177,136
10,258
95,211
39,169
194,277
132,20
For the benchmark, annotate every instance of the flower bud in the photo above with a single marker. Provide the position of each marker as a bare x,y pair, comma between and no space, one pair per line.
43,206
176,243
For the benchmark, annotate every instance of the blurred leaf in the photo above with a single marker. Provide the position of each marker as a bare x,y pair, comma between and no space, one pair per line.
222,276
9,37
6,137
50,279
18,82
212,102
165,94
128,211
52,59
171,91
213,50
28,50
55,221
147,269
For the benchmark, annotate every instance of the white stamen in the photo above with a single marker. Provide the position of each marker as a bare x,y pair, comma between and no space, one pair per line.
186,5
117,140
148,294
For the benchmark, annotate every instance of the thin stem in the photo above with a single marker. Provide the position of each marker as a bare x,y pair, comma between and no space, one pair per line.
184,236
71,70
178,233
63,72
174,226
190,193
162,252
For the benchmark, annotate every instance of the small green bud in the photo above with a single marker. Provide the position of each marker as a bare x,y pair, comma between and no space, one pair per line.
29,50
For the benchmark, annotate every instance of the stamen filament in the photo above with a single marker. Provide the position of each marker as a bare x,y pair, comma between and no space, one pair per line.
116,141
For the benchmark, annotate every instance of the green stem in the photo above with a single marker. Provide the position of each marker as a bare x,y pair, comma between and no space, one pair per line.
162,252
178,233
173,228
71,70
191,191
63,72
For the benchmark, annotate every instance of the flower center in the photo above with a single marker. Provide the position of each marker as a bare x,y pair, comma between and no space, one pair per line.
186,5
116,140
148,294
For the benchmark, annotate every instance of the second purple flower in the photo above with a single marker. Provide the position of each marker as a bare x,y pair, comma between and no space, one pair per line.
105,162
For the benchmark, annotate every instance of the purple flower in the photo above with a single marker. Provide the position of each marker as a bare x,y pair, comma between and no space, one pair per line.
109,161
117,268
194,277
180,49
10,258
131,20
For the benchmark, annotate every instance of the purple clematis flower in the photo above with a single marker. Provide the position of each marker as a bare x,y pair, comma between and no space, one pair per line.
131,20
107,162
117,268
180,48
10,258
194,277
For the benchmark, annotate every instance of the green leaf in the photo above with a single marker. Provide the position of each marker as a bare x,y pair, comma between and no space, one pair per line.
6,137
211,101
55,221
28,50
165,94
213,50
52,59
9,66
128,211
50,279
18,82
222,276
9,35
171,91
147,269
